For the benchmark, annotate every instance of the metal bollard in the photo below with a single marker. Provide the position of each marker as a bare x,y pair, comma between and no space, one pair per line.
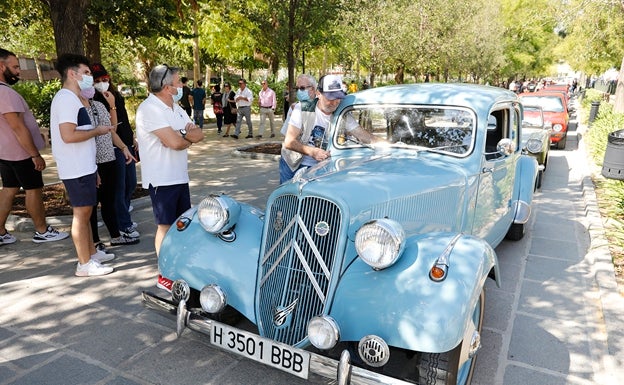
593,112
613,163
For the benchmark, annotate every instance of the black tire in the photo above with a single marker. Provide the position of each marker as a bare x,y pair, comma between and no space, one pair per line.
443,368
515,232
562,143
538,181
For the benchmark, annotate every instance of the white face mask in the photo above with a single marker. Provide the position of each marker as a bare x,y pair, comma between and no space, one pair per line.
102,86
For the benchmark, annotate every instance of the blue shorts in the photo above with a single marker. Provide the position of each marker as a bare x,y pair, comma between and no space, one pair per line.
20,173
82,191
169,202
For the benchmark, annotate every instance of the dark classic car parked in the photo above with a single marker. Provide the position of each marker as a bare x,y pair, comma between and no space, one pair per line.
370,266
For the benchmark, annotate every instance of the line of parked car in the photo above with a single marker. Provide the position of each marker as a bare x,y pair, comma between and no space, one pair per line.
548,115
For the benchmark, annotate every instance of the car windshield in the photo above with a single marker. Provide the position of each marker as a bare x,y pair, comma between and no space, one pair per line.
548,103
439,129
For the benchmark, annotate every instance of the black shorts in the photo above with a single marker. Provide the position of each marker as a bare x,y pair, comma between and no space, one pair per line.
20,173
82,191
169,202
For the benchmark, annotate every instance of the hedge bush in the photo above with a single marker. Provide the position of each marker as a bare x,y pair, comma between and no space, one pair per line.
39,98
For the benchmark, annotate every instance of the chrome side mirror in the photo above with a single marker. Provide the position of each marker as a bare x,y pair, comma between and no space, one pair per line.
505,146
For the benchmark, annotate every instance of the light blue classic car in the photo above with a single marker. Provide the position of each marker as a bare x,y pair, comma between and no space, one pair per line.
368,267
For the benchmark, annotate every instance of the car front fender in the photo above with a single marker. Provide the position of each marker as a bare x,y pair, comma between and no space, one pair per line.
202,258
404,306
525,183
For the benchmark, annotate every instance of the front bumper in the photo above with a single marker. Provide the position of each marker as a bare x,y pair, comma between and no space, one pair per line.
342,371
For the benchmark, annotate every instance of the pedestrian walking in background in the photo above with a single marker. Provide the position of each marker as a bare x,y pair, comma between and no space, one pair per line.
21,164
125,152
243,99
199,103
73,147
229,108
267,102
165,133
187,97
217,106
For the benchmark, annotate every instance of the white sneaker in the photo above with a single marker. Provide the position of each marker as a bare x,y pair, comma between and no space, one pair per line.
130,208
101,256
7,239
92,268
51,234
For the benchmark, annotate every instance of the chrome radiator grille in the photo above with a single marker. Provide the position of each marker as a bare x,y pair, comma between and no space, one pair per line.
296,267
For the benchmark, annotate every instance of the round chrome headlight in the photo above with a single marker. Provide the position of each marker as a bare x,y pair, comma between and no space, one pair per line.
212,299
534,146
380,242
557,127
218,213
323,332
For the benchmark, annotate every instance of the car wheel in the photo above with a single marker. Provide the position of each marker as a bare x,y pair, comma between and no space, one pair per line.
515,232
538,182
443,368
562,143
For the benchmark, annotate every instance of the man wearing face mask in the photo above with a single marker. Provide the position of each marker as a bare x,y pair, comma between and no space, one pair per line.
164,133
73,146
126,179
20,162
306,90
307,137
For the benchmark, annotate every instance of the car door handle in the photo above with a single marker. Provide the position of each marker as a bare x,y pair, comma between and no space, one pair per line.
487,169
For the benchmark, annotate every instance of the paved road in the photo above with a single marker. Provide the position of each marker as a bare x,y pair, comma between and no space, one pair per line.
557,319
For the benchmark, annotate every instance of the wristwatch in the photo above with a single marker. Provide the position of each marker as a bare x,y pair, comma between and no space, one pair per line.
183,132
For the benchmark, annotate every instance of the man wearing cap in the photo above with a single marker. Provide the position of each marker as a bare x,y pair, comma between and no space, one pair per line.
307,138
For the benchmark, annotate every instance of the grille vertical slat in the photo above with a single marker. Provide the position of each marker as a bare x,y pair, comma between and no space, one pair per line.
296,268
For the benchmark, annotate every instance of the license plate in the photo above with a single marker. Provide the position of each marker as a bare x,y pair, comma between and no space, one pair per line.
263,350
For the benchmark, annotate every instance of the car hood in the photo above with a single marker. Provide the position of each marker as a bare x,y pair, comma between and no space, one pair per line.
535,133
421,191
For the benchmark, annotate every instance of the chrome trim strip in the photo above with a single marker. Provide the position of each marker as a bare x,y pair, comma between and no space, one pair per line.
319,365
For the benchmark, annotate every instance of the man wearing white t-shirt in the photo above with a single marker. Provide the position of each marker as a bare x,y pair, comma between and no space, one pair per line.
73,147
307,138
164,133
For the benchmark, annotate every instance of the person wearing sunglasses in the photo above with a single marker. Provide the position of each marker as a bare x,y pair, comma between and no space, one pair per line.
305,89
164,133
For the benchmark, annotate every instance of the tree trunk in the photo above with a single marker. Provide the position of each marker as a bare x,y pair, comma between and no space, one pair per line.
399,77
290,53
619,91
196,68
92,43
68,20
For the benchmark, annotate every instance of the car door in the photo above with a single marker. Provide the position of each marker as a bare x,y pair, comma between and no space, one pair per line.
495,192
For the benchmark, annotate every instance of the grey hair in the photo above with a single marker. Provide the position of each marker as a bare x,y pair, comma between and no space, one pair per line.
156,80
309,78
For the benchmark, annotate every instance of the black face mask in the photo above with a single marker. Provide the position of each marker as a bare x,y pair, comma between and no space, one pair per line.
10,78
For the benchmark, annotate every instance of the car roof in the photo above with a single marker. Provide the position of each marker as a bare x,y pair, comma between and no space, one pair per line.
476,97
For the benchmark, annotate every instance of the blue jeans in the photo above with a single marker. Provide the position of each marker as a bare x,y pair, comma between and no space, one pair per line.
198,117
124,188
285,172
243,112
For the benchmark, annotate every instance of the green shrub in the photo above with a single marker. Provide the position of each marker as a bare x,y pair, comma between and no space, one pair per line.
596,137
39,98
